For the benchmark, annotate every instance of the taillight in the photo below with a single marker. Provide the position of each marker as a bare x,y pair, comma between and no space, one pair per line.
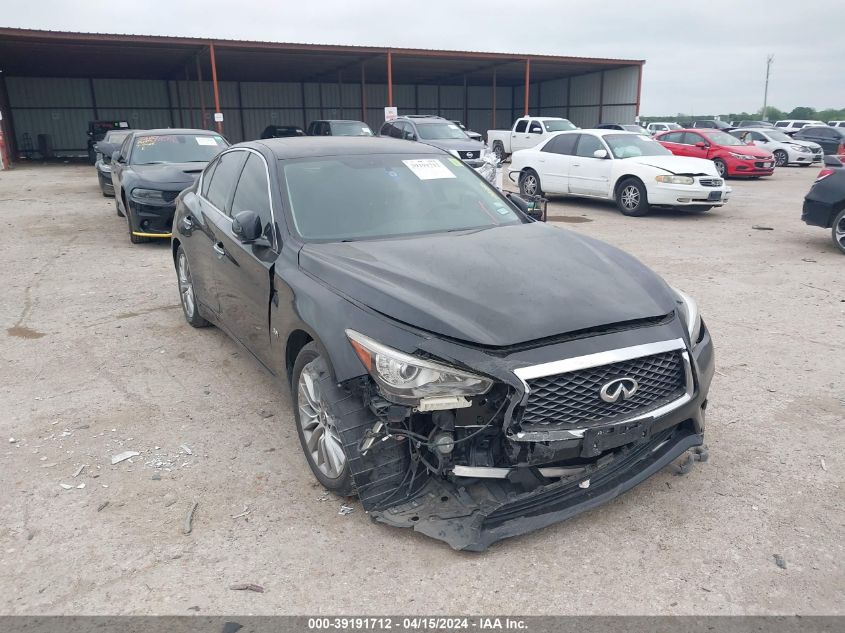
841,149
824,173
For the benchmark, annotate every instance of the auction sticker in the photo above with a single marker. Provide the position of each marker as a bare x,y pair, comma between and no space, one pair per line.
428,168
206,140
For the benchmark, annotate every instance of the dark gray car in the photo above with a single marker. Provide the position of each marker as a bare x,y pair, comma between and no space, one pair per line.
437,132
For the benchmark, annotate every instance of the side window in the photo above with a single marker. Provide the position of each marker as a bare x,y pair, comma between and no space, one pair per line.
124,149
535,127
325,129
756,136
692,139
672,137
521,125
206,178
395,130
252,193
825,132
223,180
563,144
798,126
385,129
587,144
781,124
407,131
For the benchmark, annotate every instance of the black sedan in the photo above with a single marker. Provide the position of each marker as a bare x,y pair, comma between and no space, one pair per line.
832,139
103,151
467,371
824,204
150,169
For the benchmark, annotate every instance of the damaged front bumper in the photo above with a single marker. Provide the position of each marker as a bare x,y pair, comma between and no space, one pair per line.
475,515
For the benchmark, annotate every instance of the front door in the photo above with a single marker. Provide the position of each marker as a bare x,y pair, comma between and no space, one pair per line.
520,138
554,162
690,147
589,175
243,270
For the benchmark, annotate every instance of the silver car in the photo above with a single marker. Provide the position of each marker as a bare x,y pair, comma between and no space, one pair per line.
437,132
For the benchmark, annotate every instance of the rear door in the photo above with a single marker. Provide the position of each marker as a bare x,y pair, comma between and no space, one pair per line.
589,175
827,137
199,238
672,141
243,272
553,163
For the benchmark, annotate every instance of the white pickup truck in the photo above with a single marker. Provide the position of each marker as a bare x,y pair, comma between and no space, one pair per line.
526,132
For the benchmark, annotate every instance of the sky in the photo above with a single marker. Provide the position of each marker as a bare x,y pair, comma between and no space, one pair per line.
701,58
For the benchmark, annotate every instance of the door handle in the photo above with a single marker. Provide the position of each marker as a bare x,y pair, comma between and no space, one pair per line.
576,164
218,248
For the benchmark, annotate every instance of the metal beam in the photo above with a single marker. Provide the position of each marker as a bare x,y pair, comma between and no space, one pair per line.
218,124
389,78
527,83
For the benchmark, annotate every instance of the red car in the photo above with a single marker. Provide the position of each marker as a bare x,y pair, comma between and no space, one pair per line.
731,156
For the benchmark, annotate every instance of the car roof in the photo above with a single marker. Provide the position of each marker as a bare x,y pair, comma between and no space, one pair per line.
335,121
313,146
175,130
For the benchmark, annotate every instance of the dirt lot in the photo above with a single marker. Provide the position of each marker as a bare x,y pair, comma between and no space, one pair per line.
96,360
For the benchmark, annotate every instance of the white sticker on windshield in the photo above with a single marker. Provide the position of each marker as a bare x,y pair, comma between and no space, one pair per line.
428,168
205,140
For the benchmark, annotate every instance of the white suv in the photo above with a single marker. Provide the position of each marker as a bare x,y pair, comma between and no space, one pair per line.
661,126
836,123
793,125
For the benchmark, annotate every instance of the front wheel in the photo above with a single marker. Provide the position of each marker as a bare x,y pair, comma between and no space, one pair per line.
781,158
838,231
187,296
721,167
632,198
529,183
316,424
499,151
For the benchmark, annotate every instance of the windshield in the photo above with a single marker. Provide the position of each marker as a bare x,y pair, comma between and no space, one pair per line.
433,131
629,145
351,128
117,137
390,195
634,128
722,138
176,148
778,136
673,126
561,125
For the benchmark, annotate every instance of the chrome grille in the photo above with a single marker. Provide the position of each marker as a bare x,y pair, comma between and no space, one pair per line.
572,399
470,155
711,182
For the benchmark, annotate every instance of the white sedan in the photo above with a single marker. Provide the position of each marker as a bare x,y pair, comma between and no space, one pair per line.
786,150
632,169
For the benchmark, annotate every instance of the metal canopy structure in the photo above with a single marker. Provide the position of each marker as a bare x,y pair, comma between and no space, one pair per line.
92,56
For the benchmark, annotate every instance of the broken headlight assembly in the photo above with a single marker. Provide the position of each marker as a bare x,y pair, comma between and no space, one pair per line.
688,309
406,379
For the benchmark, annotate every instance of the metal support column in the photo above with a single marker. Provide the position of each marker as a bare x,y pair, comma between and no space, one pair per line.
390,79
601,98
218,124
363,94
494,98
201,91
527,83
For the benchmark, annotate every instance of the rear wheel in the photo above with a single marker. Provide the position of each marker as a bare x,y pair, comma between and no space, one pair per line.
187,296
781,158
632,198
838,231
721,167
499,151
529,183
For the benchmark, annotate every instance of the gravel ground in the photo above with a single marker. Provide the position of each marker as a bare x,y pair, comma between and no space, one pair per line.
97,360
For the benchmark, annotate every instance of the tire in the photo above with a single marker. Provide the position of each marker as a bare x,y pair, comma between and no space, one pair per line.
135,239
316,427
805,165
499,151
529,183
117,208
721,167
187,296
837,231
781,158
632,198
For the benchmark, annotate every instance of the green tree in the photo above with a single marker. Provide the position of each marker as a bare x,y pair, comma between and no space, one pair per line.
802,112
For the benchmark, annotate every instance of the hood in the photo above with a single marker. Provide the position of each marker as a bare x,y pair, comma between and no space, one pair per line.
460,144
183,174
495,287
677,164
797,141
748,150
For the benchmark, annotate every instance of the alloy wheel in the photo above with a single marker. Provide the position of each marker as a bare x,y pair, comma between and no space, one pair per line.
630,197
318,426
839,232
780,158
186,287
529,184
721,168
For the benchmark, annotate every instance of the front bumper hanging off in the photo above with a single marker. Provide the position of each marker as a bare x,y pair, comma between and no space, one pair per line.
473,516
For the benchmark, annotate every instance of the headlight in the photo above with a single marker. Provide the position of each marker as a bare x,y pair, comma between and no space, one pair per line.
800,148
406,379
742,156
676,180
690,314
148,194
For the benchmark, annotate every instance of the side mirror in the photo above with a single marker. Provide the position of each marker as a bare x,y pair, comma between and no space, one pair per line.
600,153
246,225
116,157
701,144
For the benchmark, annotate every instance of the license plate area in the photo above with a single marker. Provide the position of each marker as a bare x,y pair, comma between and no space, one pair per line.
596,441
714,195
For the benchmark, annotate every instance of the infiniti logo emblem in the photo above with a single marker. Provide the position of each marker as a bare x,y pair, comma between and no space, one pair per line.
618,389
